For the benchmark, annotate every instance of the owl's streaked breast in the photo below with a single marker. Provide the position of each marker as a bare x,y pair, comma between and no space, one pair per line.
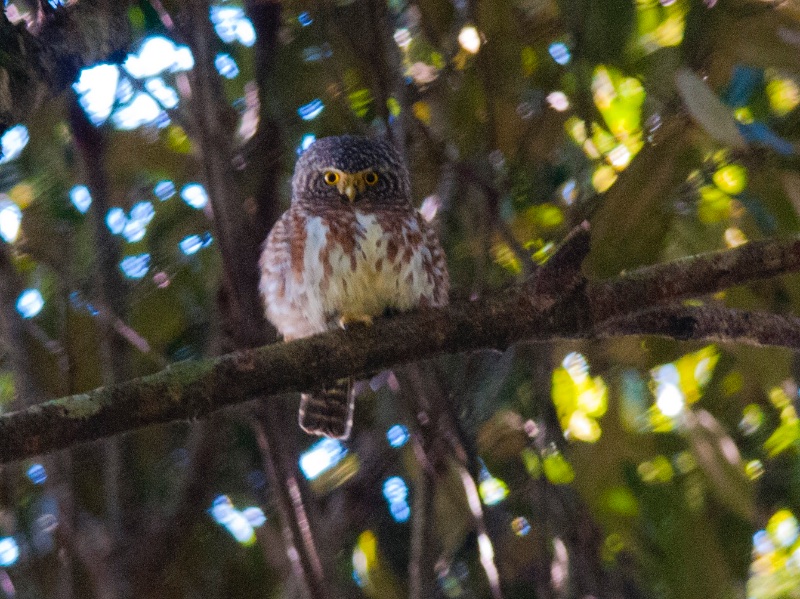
320,264
362,263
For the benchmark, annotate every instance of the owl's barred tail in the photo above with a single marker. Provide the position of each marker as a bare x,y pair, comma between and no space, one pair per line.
329,412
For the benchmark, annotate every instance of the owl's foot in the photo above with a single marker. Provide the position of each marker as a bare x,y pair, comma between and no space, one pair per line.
347,320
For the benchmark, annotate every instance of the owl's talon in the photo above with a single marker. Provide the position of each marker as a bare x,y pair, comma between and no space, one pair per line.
347,320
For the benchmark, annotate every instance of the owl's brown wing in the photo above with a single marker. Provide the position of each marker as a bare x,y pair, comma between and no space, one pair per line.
284,296
438,263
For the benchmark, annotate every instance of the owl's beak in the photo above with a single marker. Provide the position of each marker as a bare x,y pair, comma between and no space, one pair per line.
350,185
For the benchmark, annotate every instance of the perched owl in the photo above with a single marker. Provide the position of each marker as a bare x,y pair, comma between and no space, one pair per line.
350,247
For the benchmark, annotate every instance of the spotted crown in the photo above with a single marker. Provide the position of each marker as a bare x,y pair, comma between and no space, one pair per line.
351,154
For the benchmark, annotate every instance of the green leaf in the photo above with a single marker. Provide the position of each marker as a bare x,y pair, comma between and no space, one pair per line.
707,110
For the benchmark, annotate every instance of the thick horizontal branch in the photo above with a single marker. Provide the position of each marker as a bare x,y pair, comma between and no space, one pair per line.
707,323
695,275
544,311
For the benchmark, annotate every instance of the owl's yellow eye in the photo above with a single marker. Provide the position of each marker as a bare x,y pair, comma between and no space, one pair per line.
331,177
371,178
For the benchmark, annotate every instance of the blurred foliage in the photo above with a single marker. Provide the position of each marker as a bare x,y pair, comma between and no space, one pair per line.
633,467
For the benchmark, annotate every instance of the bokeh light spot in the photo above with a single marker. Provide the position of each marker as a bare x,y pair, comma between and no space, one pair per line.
492,490
520,526
558,101
400,511
195,195
603,178
670,400
9,552
135,267
166,96
80,198
143,211
402,37
231,25
397,435
226,66
234,521
116,220
620,157
734,237
10,219
134,230
29,303
310,111
784,95
560,53
580,399
37,474
731,178
470,39
164,190
255,516
783,528
321,456
752,419
157,55
97,88
754,469
191,244
13,142
365,557
305,142
395,491
142,110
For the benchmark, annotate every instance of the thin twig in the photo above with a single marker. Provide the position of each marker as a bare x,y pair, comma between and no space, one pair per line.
300,545
421,577
163,15
438,447
92,143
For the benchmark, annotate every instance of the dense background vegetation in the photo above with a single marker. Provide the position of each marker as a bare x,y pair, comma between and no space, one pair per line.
147,144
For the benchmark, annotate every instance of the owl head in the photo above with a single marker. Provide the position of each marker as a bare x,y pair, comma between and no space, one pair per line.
349,170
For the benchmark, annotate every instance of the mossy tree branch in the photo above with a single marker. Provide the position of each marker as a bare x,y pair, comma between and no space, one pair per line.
556,303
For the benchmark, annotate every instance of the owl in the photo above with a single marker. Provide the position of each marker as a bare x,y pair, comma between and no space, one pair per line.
350,247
